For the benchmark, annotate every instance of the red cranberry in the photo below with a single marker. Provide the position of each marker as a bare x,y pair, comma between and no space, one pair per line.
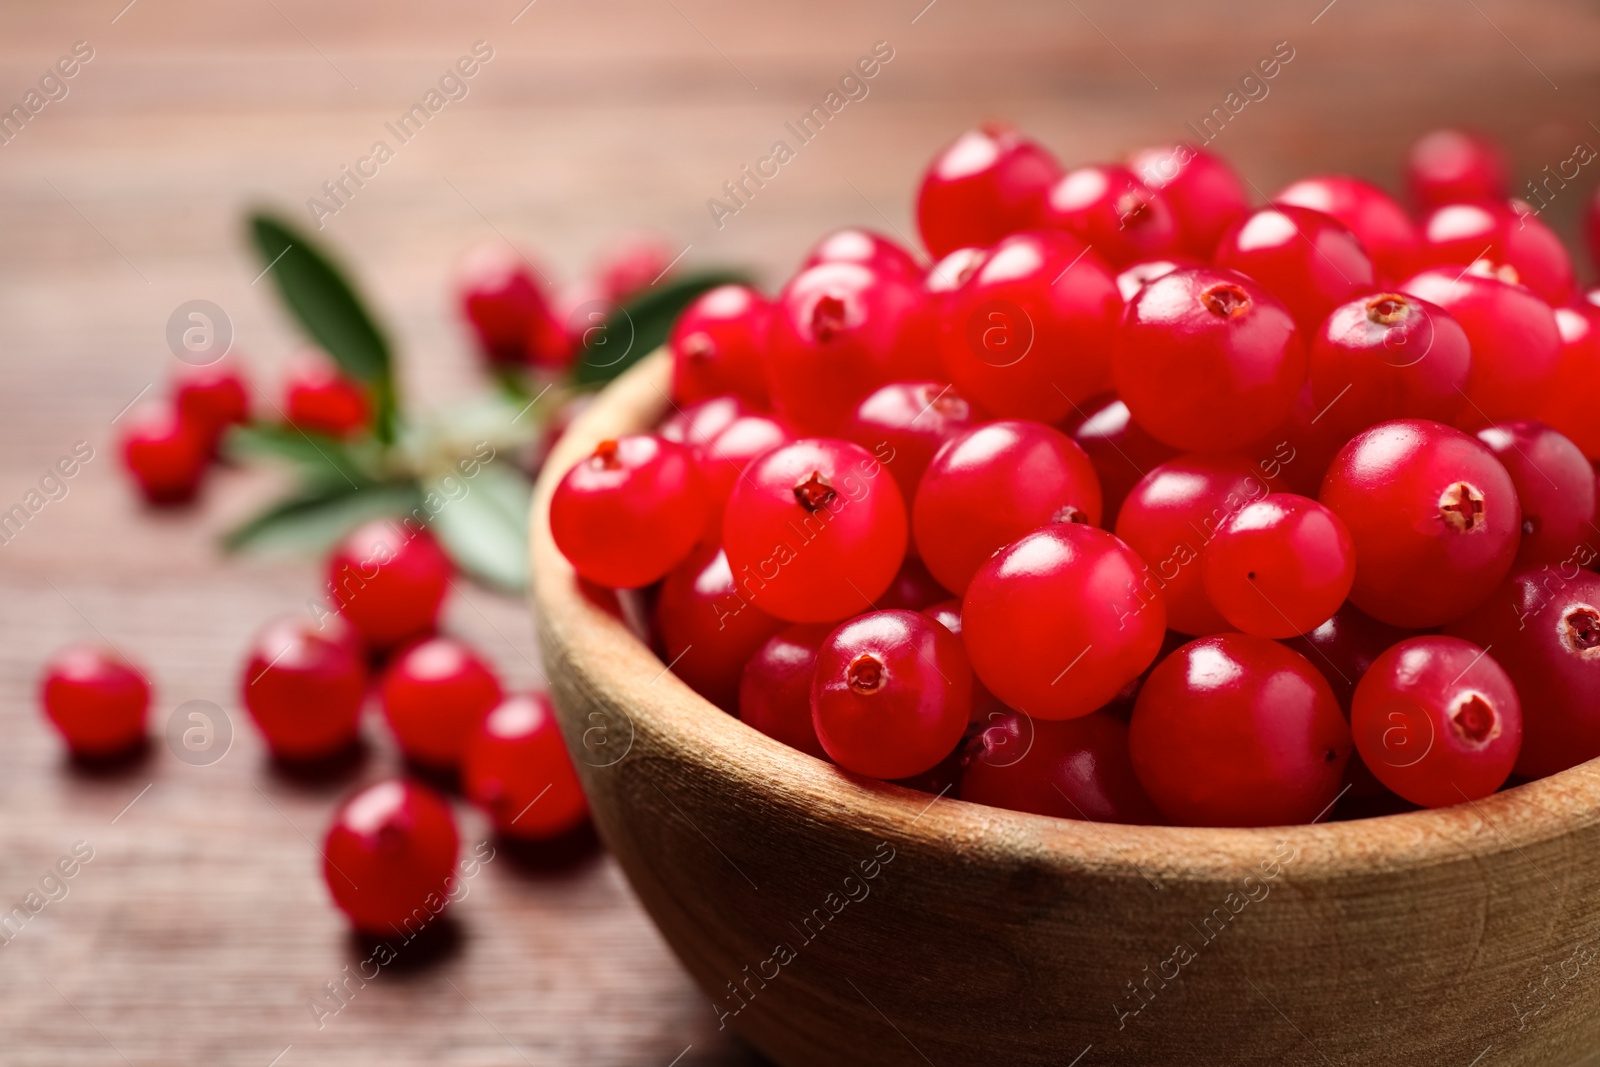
1028,335
389,581
1376,218
1389,356
1205,195
1078,769
510,316
390,855
319,399
96,700
1236,730
990,485
1450,167
1507,236
989,183
952,272
631,265
723,457
696,424
1555,487
914,588
304,687
947,613
1121,450
1069,604
870,249
1132,279
1344,645
630,511
517,769
904,423
165,453
435,695
1434,518
1279,566
775,687
719,346
211,399
706,628
1107,207
1544,628
890,694
1208,360
815,531
1576,397
1310,261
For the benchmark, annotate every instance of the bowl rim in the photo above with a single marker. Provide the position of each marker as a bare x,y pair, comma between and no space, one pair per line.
1506,822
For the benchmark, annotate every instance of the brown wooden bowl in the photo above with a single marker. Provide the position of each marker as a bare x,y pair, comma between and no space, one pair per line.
835,920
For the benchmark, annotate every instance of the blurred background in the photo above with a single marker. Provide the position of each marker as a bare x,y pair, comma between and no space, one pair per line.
201,929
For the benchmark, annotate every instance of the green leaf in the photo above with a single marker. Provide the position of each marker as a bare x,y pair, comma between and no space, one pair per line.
328,308
314,519
317,457
635,329
484,527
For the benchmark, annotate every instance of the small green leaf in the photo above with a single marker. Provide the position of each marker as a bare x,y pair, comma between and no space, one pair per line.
622,336
314,519
485,527
317,457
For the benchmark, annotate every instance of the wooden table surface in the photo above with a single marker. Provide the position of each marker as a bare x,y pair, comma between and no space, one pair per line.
200,930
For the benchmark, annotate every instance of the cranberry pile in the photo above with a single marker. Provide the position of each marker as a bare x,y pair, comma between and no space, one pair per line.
1143,503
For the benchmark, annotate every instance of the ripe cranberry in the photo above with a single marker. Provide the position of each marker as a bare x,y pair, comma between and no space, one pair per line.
1434,518
1121,450
870,249
775,687
510,316
1509,237
517,769
1302,447
990,182
389,582
696,424
435,695
319,399
952,272
390,855
1437,720
1107,207
1576,396
304,687
1555,487
1205,195
1389,356
631,265
719,346
1344,645
1237,730
1376,218
914,588
627,513
814,531
95,699
211,399
1279,566
904,423
1028,336
1132,279
1451,167
890,694
1078,769
1544,628
1208,360
165,453
707,630
722,459
990,485
840,330
985,706
1310,261
1060,620
1516,345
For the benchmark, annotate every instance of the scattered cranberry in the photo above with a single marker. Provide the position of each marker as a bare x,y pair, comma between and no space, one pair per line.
211,399
707,630
1121,450
320,399
904,423
1389,356
989,183
389,857
1078,769
1108,208
1204,193
517,769
1506,236
165,453
719,345
1437,720
389,582
435,695
1308,260
775,687
1237,730
1572,403
510,316
95,699
872,250
1555,487
1376,218
1279,566
1450,167
627,513
304,687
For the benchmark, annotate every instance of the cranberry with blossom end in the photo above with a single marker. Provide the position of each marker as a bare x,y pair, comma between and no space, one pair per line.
815,531
1060,620
1437,721
718,346
1543,625
389,582
1434,517
1454,167
775,687
630,511
1308,260
1555,487
1107,207
1389,356
1078,769
866,247
723,457
304,687
1028,335
1133,278
1279,566
517,769
1573,402
1121,450
390,855
837,332
510,316
318,398
890,694
165,453
95,699
211,399
1237,730
1208,360
904,423
434,696
1376,218
1516,344
707,630
1508,237
988,486
990,182
1204,193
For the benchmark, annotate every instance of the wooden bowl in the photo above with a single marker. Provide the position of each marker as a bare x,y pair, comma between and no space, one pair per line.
835,920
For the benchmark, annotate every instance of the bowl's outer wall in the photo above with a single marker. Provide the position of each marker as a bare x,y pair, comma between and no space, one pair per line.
836,921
